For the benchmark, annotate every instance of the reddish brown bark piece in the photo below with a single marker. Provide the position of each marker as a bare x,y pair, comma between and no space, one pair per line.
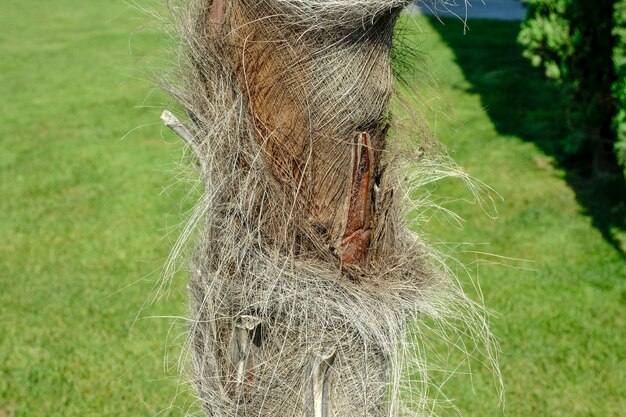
357,234
324,161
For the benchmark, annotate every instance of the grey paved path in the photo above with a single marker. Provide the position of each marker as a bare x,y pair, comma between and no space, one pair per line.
474,9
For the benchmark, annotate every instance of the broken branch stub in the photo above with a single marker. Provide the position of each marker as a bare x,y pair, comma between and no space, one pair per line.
243,350
185,134
318,385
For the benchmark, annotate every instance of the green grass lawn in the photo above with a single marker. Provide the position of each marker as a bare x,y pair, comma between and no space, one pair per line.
85,214
561,324
90,202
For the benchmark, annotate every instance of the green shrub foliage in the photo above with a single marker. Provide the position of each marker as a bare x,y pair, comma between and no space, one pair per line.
574,41
545,35
619,88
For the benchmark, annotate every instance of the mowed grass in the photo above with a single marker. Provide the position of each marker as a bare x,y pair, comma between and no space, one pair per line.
84,214
560,298
88,208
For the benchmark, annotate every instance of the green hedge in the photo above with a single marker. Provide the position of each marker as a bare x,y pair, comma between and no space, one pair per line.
576,43
619,88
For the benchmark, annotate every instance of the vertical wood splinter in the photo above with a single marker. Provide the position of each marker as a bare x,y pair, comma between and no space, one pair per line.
318,385
244,344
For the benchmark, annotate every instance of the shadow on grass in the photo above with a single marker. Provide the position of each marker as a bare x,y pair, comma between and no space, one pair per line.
521,102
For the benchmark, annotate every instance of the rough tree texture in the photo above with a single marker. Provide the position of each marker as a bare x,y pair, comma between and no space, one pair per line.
303,261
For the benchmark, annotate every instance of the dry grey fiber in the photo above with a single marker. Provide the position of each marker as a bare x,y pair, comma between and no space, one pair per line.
309,293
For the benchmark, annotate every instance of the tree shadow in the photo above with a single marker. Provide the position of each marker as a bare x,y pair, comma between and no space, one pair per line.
521,102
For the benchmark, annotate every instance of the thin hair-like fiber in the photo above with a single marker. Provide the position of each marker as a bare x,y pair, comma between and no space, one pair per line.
277,95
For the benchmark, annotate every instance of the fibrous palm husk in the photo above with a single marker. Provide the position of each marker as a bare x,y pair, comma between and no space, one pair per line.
305,280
